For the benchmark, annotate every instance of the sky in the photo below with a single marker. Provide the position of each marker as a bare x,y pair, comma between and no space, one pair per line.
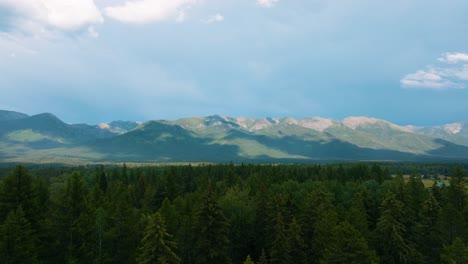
93,61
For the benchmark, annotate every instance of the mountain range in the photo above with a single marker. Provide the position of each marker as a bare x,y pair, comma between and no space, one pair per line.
44,138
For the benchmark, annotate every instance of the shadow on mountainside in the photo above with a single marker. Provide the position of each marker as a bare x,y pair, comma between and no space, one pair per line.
164,143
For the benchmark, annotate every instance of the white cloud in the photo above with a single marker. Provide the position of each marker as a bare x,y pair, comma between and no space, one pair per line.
59,14
147,11
430,79
462,73
449,74
453,57
267,3
92,32
214,18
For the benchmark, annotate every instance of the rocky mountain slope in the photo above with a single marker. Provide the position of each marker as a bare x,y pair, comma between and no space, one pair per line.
45,138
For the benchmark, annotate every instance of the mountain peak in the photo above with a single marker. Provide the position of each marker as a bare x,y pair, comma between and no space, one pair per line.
11,115
453,128
355,121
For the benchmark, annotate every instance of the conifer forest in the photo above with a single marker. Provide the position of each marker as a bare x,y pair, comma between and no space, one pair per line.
234,213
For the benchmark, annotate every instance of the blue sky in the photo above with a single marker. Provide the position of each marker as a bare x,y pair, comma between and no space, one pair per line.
95,61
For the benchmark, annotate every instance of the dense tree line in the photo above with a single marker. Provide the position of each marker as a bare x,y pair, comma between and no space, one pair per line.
353,213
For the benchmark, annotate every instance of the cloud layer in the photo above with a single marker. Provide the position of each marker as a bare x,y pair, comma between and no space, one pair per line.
451,74
267,3
59,14
147,11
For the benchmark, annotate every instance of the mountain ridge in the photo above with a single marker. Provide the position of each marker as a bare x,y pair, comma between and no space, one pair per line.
217,138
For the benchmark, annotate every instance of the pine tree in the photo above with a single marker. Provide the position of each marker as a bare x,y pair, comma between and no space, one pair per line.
122,234
456,253
357,215
279,253
248,260
296,243
263,258
101,178
156,246
211,231
17,190
324,238
450,224
429,239
394,247
17,244
69,223
314,206
349,246
455,193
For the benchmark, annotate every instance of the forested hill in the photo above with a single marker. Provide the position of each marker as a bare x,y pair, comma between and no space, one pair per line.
351,213
44,138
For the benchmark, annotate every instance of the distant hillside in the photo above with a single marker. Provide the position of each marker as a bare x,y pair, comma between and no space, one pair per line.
10,115
45,138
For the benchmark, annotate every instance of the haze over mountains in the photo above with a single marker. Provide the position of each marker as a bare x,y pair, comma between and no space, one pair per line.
45,138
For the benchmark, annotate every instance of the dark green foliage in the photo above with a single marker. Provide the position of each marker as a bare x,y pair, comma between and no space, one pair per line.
296,243
393,243
280,249
451,223
239,210
323,240
211,231
248,260
17,242
263,258
348,213
429,236
456,253
17,190
156,245
122,234
349,246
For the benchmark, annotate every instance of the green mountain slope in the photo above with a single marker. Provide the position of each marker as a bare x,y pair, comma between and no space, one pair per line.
11,115
45,138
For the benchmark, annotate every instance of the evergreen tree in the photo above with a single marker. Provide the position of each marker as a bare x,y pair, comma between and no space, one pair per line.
279,253
315,204
17,243
451,223
17,190
349,246
455,193
324,239
248,260
101,178
156,245
261,222
429,239
263,258
211,231
357,215
69,225
296,243
393,245
122,234
456,253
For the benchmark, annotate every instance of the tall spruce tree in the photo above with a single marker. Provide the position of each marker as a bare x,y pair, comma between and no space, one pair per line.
429,238
393,244
279,253
456,253
211,231
156,246
17,242
17,190
296,243
122,234
349,246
